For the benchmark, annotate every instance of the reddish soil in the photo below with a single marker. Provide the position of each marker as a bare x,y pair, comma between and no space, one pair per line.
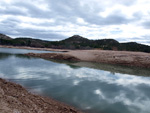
16,99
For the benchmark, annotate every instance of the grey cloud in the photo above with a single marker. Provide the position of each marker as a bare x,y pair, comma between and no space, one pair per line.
142,39
147,37
11,19
72,8
33,11
138,15
12,30
64,12
62,7
33,33
9,24
114,18
125,2
10,27
12,11
146,24
45,35
68,11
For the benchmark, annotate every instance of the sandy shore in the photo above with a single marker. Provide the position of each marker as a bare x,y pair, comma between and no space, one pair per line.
138,59
33,48
16,99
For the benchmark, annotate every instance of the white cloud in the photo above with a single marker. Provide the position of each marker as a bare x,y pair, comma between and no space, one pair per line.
81,21
122,20
31,20
99,93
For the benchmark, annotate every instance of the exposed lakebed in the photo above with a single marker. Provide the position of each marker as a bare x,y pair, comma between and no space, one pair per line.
101,88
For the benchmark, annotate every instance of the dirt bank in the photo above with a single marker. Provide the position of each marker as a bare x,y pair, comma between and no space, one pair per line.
16,99
58,56
138,59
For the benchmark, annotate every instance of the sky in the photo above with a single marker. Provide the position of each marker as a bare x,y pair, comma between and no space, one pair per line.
122,20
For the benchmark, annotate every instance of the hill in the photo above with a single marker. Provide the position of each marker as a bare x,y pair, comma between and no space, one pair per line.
2,36
75,42
133,46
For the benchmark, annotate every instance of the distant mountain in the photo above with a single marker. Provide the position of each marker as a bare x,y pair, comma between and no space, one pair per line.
78,42
28,42
75,38
75,42
2,36
133,46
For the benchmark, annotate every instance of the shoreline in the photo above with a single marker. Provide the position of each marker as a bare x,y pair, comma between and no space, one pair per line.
34,48
134,59
16,99
125,58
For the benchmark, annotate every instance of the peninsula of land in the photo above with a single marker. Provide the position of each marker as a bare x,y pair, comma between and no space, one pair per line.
137,59
126,58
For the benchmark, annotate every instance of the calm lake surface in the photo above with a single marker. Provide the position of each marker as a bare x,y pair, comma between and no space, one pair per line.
91,87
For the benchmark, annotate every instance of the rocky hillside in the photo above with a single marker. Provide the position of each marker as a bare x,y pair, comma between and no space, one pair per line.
75,42
2,36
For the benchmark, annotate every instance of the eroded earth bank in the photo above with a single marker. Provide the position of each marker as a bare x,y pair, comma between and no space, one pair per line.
16,99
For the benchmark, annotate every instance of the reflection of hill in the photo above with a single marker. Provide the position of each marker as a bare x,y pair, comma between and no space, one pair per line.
22,56
109,67
69,63
116,68
101,66
4,56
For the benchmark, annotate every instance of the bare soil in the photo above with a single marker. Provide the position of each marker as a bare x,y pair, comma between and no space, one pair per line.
16,99
138,59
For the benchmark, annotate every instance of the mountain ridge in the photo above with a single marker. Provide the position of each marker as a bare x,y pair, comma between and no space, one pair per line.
75,42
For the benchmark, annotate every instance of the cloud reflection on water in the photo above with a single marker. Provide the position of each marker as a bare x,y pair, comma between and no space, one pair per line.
86,88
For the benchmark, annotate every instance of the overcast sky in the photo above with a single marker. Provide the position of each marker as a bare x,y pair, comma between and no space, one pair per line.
123,20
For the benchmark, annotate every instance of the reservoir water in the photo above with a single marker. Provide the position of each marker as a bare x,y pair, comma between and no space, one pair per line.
90,87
